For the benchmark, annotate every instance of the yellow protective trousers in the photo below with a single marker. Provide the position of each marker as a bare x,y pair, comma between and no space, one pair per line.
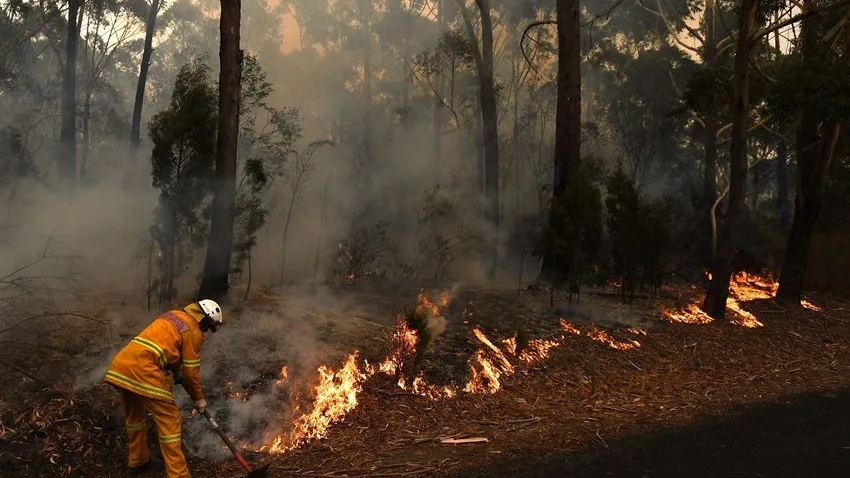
169,424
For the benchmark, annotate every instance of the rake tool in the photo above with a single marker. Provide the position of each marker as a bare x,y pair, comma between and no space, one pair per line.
252,472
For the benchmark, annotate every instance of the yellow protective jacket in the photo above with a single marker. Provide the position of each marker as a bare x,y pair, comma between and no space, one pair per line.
172,340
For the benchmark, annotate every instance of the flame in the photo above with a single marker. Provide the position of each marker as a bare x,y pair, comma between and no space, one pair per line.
690,314
538,350
403,342
499,354
810,306
335,396
282,377
743,287
237,394
570,328
485,377
335,393
349,278
427,307
600,335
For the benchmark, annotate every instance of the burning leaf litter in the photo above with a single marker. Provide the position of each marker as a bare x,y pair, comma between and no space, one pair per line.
744,287
337,390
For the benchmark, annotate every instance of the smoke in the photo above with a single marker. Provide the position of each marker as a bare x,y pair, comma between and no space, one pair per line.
436,325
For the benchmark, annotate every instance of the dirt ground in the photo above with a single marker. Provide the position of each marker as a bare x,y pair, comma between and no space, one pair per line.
690,400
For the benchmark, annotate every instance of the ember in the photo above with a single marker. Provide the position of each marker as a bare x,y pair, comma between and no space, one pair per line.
537,350
599,335
808,305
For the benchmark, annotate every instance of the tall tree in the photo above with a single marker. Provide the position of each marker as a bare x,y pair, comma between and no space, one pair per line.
721,268
709,120
67,157
483,56
135,128
217,265
567,118
817,136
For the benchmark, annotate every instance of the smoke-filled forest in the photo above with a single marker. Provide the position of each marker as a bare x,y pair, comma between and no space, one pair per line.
449,237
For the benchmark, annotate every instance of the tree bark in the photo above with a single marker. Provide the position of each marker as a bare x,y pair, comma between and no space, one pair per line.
807,208
710,127
136,127
217,265
814,156
781,161
567,118
490,114
782,184
489,117
721,269
66,160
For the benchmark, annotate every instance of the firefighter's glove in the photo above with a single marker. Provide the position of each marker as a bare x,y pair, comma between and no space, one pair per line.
200,405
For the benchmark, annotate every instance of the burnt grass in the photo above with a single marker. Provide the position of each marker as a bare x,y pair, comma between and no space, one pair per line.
692,400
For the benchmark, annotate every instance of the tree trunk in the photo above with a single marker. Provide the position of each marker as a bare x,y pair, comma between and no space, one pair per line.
781,161
710,128
286,236
86,132
814,156
782,184
806,212
136,127
217,266
66,160
721,269
490,114
567,118
517,151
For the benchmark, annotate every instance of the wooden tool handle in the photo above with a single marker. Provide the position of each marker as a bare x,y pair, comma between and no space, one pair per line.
227,441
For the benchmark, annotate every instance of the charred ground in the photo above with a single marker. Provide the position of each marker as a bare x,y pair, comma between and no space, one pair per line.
688,396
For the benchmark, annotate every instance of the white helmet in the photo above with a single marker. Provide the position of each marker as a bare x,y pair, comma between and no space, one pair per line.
213,311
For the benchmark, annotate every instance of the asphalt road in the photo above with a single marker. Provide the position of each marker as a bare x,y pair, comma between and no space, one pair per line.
805,436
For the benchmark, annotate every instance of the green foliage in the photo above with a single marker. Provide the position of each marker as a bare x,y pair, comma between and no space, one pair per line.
708,90
575,229
825,85
183,159
637,232
452,52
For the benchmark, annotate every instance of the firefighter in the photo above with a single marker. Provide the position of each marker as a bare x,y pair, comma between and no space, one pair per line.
170,344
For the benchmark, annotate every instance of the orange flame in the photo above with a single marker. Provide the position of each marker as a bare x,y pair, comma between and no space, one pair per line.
599,335
743,287
538,350
810,306
282,377
335,396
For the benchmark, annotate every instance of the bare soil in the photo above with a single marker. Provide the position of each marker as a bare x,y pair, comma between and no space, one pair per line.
692,400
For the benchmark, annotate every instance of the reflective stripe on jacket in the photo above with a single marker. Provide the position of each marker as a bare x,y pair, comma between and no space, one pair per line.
172,340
